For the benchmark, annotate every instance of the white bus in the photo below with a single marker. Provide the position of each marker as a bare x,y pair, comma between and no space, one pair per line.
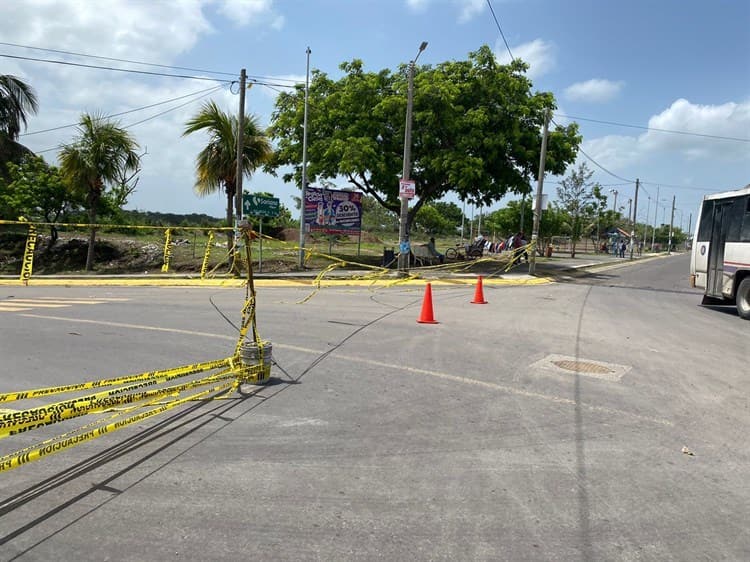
720,258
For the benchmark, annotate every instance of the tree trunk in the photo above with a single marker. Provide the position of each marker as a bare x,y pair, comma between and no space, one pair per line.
93,198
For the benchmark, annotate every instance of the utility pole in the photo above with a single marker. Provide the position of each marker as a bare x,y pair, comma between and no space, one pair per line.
240,146
635,214
303,196
656,212
630,210
671,225
539,189
614,205
403,231
690,224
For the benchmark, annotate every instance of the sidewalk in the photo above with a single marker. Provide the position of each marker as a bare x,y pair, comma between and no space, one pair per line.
546,270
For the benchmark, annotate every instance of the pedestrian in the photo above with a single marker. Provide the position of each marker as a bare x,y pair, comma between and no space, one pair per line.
623,247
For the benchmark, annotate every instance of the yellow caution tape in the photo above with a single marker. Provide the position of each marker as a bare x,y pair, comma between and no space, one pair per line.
178,371
28,255
14,460
118,226
24,420
207,253
167,250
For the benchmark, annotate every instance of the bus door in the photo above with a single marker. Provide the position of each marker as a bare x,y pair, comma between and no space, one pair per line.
719,227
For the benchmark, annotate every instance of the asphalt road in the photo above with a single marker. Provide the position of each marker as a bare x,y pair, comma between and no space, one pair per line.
548,424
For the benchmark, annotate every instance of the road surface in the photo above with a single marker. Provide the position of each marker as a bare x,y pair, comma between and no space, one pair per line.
548,424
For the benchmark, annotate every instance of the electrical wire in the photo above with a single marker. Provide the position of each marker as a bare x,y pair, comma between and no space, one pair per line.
60,51
672,131
500,29
211,89
113,69
628,182
147,118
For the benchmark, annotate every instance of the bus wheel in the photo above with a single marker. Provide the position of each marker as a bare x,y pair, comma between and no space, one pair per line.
743,298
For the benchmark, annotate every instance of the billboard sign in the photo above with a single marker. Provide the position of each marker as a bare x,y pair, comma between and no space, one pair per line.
333,212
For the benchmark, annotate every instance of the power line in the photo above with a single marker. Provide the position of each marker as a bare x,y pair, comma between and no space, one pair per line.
207,93
500,29
654,128
167,111
111,68
627,181
211,89
60,51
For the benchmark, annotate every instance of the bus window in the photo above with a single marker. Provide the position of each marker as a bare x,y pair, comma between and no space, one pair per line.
734,217
745,233
707,218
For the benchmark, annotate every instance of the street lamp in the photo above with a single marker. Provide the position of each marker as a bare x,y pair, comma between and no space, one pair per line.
403,232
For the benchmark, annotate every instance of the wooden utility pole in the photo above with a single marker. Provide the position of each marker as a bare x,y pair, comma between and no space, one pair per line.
635,214
240,146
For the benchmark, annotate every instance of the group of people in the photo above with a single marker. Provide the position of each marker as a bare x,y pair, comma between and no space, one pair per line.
515,243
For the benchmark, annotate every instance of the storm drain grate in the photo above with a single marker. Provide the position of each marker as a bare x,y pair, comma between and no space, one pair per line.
583,367
562,364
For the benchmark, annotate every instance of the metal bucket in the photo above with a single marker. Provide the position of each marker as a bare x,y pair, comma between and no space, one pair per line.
251,355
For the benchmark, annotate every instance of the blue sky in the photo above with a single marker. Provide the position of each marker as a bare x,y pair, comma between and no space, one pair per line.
681,65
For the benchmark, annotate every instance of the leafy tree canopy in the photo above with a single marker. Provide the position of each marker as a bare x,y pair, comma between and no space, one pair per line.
476,130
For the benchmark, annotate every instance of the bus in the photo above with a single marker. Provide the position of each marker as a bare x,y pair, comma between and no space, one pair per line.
720,256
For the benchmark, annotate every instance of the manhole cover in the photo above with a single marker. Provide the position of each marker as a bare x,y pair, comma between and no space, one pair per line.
562,364
582,367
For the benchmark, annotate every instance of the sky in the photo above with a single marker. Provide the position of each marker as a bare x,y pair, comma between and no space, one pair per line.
621,70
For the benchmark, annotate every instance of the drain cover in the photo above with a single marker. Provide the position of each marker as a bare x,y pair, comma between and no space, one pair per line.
583,367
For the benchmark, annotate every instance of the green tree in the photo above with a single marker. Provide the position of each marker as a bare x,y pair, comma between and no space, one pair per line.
99,155
216,164
450,212
432,221
476,130
576,195
17,101
37,191
376,218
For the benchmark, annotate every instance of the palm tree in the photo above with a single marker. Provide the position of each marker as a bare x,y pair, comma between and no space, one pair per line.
216,164
100,154
17,100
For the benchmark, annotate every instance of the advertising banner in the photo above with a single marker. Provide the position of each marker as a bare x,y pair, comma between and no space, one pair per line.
333,212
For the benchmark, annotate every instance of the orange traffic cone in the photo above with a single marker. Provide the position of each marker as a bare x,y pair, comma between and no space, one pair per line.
479,293
426,316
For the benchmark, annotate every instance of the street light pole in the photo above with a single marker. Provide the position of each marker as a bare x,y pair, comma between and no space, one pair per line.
303,196
403,231
539,191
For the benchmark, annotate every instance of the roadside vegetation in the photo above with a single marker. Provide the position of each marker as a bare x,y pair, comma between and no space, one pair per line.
477,141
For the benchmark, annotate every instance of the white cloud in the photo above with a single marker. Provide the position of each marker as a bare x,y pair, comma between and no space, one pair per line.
136,30
726,120
621,154
540,55
417,5
468,9
596,90
242,12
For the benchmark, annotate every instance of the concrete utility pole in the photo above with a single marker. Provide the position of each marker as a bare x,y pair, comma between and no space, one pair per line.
671,225
240,145
303,195
614,205
656,212
539,189
635,214
403,231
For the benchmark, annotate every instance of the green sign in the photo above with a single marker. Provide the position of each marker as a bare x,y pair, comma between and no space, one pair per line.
260,205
